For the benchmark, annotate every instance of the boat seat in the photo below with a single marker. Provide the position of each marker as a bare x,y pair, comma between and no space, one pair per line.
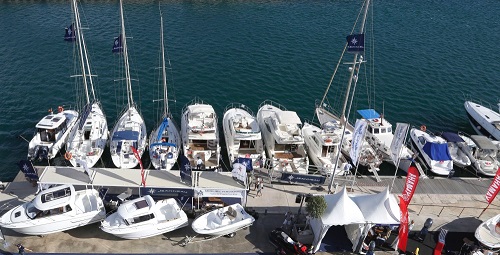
231,213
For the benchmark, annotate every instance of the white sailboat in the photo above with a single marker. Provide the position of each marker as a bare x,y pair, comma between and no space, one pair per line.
88,138
165,140
242,134
129,133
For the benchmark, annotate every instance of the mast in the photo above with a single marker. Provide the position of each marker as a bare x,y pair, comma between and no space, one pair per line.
130,100
164,78
79,41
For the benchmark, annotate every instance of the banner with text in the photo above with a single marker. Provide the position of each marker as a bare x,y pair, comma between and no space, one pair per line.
403,227
398,141
411,184
220,192
494,188
303,178
357,140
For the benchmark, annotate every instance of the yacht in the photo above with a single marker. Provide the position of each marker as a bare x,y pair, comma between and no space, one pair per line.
485,155
242,134
143,217
223,221
283,138
457,148
488,233
54,210
200,135
433,150
484,120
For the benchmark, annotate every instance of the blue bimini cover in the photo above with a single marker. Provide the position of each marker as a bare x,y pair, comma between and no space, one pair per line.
452,137
126,135
437,151
369,114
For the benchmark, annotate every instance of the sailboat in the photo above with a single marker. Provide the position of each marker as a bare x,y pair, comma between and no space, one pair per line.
326,114
164,140
89,136
129,133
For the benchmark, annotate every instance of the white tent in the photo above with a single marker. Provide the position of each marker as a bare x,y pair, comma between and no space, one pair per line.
356,213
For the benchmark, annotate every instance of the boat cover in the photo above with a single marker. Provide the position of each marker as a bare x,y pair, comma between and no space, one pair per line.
164,124
126,135
437,151
369,114
452,137
483,142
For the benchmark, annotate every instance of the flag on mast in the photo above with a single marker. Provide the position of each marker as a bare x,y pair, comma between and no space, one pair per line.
398,141
357,140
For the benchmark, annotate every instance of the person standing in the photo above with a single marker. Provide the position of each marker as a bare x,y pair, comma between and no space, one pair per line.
259,188
22,249
257,183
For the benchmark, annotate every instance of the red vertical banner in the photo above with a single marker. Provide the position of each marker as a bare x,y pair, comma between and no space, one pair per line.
440,245
494,188
136,154
403,227
411,184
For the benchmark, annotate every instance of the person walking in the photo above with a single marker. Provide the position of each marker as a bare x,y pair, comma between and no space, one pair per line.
256,184
22,249
260,186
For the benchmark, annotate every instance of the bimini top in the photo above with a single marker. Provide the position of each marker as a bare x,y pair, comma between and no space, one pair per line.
288,117
437,151
136,207
483,142
51,121
126,135
54,197
369,114
452,137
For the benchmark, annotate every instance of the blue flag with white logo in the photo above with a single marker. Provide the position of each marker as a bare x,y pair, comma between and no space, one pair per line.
247,162
356,43
28,169
69,35
186,171
117,45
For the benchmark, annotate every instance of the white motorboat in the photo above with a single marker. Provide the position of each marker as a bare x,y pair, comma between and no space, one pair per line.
457,148
485,155
89,137
433,150
129,132
242,134
51,134
283,139
200,135
54,210
223,221
484,120
488,233
323,147
165,140
143,217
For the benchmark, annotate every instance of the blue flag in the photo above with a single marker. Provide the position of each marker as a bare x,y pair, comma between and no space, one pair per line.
247,162
70,34
117,45
186,171
356,43
28,169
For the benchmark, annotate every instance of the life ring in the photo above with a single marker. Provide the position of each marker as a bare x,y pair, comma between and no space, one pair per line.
423,128
375,120
328,140
60,109
68,155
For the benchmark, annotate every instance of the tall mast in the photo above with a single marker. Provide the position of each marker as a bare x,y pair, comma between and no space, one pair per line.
165,99
79,41
130,100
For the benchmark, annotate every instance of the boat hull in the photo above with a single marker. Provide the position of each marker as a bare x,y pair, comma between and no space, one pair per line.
148,230
483,120
219,222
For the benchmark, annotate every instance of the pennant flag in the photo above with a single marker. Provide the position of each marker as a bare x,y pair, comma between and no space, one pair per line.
186,170
357,140
440,245
398,141
69,35
356,43
403,227
494,188
411,184
247,162
27,168
136,154
117,45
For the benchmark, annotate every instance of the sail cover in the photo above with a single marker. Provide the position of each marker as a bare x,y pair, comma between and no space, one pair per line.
437,151
125,135
85,114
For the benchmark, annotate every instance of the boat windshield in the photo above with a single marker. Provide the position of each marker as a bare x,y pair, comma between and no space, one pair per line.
32,211
140,219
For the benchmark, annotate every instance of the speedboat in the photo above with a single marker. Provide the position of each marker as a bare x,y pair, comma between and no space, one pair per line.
200,136
323,147
484,120
51,134
457,148
485,153
488,233
433,150
223,221
143,217
242,134
54,210
283,138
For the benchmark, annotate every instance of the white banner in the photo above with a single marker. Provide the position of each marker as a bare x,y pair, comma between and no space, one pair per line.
398,141
219,192
357,140
240,172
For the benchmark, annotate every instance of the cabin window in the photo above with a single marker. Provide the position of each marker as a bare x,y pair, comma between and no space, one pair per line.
17,214
324,151
389,130
141,204
56,195
370,129
376,131
140,219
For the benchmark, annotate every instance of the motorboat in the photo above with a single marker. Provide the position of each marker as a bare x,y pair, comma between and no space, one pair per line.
283,139
165,140
89,137
128,138
485,154
433,150
54,210
483,120
200,135
457,148
323,146
285,244
488,233
379,135
242,134
143,217
51,134
223,221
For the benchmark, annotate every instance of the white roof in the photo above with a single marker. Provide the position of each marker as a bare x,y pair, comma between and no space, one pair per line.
51,121
341,210
196,108
288,117
380,208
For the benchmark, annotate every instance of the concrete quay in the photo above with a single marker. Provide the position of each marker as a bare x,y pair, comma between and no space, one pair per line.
456,212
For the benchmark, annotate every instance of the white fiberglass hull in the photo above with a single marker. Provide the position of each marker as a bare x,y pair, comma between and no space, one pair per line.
147,230
164,156
484,120
488,233
217,222
419,139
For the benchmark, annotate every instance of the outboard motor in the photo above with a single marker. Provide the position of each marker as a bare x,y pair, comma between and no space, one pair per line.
41,153
423,232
